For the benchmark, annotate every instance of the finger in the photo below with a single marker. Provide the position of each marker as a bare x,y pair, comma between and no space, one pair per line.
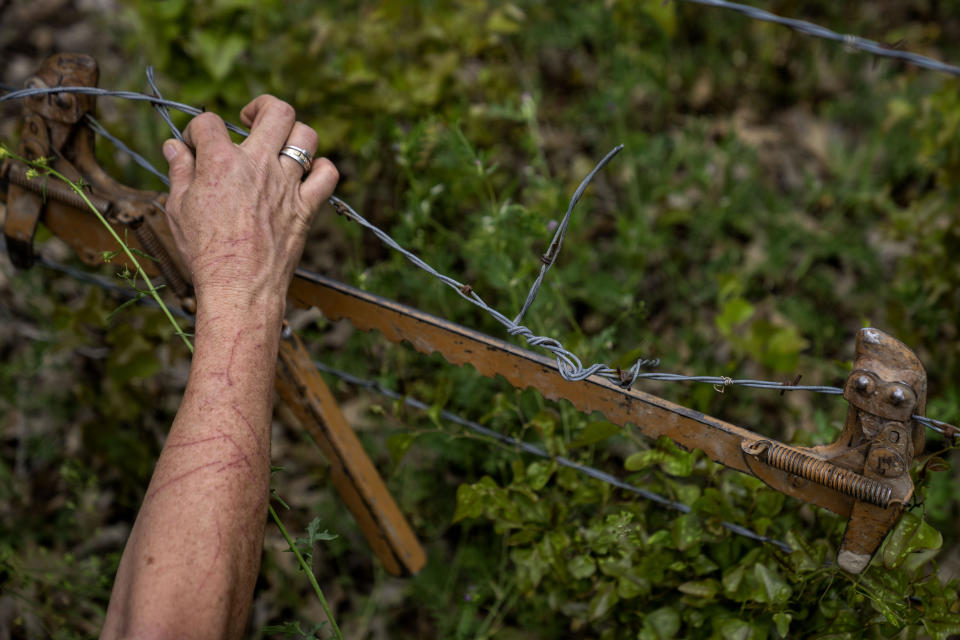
181,168
302,137
319,185
207,136
270,120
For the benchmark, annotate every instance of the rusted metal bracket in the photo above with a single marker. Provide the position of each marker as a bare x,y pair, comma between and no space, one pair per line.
870,461
54,128
863,476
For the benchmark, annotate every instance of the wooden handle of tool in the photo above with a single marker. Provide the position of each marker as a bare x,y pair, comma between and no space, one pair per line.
356,479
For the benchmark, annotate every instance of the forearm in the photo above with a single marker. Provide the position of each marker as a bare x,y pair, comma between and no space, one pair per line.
190,564
239,215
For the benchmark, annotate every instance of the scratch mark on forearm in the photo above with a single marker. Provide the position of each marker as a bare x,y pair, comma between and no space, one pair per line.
250,427
211,568
177,479
243,454
190,443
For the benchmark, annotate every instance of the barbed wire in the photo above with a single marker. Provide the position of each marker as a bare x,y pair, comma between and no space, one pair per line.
145,164
817,31
569,366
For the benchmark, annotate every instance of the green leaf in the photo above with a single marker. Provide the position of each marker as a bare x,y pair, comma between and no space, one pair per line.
629,586
538,474
700,588
276,496
773,588
671,459
661,624
687,531
531,567
782,620
941,630
473,499
293,629
506,20
217,51
132,301
734,312
601,603
911,534
736,629
315,535
469,503
593,433
397,445
140,253
582,566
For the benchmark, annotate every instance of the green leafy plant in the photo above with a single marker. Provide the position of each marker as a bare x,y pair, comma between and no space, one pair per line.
775,194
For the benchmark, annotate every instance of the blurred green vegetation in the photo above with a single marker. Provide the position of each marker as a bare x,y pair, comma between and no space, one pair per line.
775,194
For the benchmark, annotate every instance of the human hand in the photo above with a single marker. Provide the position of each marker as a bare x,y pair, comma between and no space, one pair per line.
240,214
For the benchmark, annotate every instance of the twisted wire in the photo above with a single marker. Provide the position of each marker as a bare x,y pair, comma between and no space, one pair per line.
160,108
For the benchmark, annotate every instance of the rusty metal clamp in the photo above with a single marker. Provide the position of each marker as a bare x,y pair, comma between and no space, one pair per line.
870,460
54,128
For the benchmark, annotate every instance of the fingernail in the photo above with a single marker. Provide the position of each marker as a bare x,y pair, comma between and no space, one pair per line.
169,150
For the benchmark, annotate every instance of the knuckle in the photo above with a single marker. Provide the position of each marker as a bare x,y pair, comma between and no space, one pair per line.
310,137
328,168
281,108
208,119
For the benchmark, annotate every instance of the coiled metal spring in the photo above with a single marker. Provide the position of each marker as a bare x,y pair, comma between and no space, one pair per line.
823,472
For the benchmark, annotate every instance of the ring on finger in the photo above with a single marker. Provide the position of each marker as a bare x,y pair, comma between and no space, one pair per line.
302,156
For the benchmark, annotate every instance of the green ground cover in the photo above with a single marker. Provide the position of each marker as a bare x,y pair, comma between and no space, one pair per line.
775,194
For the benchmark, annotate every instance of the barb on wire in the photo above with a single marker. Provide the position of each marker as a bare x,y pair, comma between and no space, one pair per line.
848,40
569,365
556,243
526,447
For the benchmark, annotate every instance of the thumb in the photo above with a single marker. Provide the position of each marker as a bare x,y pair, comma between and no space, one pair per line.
181,163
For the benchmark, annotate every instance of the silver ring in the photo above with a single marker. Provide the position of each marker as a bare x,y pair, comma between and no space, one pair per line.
302,156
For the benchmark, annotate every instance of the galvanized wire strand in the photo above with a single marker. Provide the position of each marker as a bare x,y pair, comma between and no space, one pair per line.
556,243
569,365
99,281
20,94
162,109
526,447
848,40
119,144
